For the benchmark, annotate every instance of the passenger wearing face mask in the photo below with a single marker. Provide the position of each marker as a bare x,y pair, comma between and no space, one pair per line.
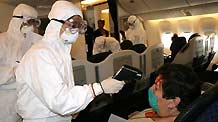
136,32
13,44
175,87
46,89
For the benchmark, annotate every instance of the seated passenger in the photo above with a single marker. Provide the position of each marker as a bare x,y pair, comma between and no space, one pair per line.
105,44
177,44
175,87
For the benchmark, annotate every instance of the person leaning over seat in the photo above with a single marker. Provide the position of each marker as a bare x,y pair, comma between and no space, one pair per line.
45,83
175,87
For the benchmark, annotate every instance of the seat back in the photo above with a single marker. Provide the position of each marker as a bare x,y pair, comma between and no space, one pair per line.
148,61
84,72
203,109
114,62
152,58
194,49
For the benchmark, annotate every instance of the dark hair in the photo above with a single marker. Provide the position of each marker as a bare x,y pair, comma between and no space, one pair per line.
174,37
101,21
180,81
126,44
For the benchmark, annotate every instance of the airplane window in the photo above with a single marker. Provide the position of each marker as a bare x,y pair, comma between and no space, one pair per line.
166,40
214,42
186,35
211,41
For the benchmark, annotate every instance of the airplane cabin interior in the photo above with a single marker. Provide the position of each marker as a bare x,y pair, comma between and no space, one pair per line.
195,22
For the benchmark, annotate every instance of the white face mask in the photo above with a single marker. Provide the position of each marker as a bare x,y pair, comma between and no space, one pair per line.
68,37
25,29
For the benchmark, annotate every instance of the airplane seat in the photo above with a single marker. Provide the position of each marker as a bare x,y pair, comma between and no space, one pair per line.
176,45
213,62
108,68
150,60
99,57
209,50
139,48
208,60
214,67
197,63
203,109
126,44
154,58
83,72
206,85
193,51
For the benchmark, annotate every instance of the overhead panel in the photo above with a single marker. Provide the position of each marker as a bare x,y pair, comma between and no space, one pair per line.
198,2
34,3
134,6
30,2
165,4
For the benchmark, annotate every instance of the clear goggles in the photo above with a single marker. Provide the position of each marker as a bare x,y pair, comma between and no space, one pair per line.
29,21
75,25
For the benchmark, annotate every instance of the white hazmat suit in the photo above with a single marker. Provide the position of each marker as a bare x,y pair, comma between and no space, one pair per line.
46,89
105,44
136,32
13,45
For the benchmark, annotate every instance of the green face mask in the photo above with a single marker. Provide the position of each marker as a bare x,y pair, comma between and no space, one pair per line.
152,100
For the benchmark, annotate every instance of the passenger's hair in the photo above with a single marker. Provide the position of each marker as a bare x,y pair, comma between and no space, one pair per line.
180,81
101,21
126,44
174,37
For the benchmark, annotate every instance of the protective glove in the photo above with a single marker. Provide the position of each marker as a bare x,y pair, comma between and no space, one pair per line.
111,85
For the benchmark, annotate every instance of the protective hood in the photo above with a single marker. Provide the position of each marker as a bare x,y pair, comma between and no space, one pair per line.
135,21
15,23
132,19
136,32
61,10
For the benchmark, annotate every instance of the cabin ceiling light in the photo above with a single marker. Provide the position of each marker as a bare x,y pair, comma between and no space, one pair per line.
105,11
88,1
